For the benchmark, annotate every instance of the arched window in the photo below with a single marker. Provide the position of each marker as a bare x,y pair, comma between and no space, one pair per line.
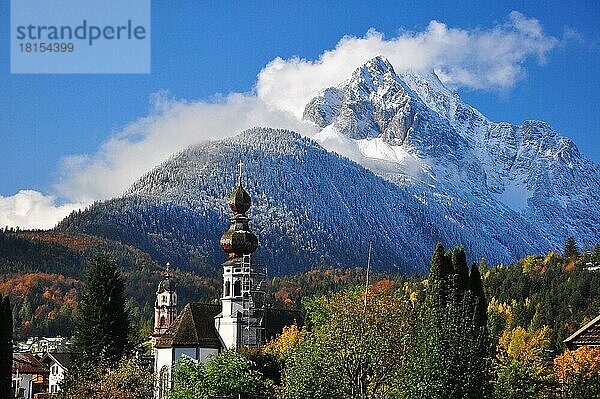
162,321
237,288
227,290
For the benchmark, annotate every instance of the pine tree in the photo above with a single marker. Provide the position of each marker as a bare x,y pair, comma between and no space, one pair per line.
570,248
6,336
101,322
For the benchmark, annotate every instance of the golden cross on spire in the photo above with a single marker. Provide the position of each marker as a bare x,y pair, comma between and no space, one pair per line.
168,269
240,165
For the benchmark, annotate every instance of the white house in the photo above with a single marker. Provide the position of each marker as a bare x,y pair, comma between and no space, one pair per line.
57,364
29,376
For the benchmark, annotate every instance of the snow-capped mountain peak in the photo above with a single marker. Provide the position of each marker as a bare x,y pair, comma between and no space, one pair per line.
411,129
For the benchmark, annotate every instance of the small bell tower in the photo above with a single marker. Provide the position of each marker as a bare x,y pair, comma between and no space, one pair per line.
165,307
240,323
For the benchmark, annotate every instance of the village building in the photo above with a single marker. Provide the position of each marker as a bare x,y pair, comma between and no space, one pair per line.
588,335
57,364
29,376
240,321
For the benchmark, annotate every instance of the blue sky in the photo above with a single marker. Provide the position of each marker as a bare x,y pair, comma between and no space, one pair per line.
201,48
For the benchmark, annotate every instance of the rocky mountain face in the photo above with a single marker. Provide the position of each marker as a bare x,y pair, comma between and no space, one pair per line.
525,182
428,168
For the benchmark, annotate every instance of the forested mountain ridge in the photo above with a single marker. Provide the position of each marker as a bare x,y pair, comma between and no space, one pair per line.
43,273
312,208
430,168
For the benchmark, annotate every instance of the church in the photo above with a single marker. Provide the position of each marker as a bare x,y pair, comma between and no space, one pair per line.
240,321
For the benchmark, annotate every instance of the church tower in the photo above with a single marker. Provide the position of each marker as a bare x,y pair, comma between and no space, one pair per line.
165,307
240,323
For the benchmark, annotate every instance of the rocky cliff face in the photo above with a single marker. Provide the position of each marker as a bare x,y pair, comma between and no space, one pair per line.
412,130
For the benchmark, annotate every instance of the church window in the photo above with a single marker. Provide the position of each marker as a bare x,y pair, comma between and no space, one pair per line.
227,290
237,288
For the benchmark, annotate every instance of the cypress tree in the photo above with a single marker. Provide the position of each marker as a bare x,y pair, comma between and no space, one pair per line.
6,354
101,322
437,277
436,267
447,270
460,269
570,248
476,287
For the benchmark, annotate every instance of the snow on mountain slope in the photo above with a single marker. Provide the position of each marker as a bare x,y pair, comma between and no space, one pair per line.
310,208
429,168
412,130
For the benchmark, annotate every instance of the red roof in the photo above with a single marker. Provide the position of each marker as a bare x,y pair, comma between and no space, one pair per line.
26,363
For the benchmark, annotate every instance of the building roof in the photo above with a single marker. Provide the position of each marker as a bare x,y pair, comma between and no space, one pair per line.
26,363
195,326
588,335
63,359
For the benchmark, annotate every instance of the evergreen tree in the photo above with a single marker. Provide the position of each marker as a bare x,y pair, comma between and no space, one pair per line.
596,255
436,267
101,322
570,248
460,269
6,336
476,287
438,272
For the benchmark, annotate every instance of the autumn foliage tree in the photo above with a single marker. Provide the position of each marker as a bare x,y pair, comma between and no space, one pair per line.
521,364
353,349
578,373
128,379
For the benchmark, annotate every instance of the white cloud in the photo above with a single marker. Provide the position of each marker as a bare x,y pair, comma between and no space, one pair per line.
171,126
479,59
30,209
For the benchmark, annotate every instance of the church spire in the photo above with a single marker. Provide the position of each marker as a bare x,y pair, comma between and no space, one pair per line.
165,306
239,240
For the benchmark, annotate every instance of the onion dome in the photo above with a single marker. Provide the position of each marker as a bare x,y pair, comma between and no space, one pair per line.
240,202
239,240
167,285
